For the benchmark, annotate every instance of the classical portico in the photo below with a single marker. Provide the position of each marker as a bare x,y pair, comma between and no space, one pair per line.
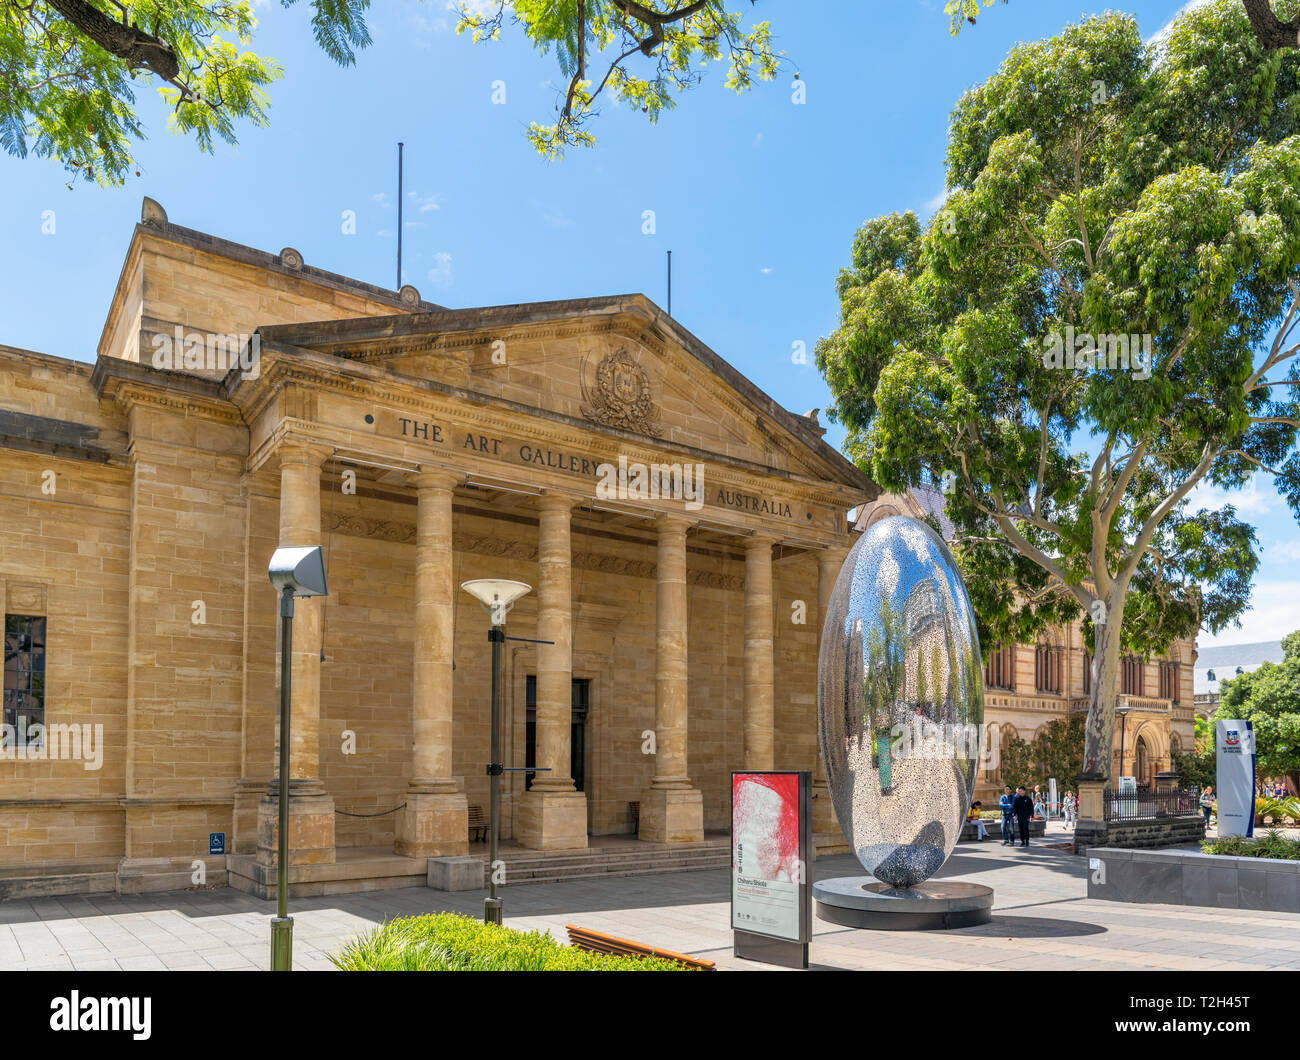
679,529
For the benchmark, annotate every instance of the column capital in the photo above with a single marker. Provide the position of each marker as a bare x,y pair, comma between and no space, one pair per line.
673,524
760,541
291,451
834,554
434,478
557,502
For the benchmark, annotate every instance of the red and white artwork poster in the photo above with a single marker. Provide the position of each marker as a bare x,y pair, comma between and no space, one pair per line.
766,870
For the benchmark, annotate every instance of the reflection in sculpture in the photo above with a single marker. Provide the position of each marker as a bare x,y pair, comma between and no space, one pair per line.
900,701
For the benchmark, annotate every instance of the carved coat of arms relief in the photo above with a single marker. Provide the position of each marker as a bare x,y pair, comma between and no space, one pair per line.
619,394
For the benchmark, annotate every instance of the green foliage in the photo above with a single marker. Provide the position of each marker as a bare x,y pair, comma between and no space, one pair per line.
594,40
1096,192
1274,21
1056,751
1197,768
1269,698
69,81
449,942
1271,845
1279,811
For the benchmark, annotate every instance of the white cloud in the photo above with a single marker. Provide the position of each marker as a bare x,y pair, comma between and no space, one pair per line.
1274,612
934,204
766,270
758,139
1283,550
381,197
424,203
440,274
1250,502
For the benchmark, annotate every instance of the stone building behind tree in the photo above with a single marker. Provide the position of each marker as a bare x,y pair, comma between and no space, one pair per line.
1028,686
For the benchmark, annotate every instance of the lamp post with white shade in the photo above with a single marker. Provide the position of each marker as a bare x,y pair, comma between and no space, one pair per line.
498,596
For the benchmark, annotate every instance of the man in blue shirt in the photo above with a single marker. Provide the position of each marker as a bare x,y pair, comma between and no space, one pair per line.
1008,826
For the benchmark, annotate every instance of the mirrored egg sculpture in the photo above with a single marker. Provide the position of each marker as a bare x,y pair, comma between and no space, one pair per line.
900,701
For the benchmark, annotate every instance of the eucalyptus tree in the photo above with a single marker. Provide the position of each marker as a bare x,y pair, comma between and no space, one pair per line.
1276,22
1104,314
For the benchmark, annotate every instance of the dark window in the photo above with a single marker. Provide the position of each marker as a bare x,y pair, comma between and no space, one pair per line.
1047,668
1131,677
999,671
581,699
24,681
1087,673
1169,681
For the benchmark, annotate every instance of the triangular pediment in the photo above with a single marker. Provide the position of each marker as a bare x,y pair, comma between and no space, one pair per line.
616,365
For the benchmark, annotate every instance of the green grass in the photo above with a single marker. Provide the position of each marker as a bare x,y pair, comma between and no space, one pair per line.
449,942
1272,844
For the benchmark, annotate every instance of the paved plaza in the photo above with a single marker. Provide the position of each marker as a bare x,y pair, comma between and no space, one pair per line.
1042,920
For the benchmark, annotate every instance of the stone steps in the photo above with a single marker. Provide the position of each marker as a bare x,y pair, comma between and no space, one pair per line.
597,862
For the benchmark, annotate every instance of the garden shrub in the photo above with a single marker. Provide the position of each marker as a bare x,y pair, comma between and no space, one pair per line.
450,942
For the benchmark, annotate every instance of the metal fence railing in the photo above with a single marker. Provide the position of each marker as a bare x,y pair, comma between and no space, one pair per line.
1150,805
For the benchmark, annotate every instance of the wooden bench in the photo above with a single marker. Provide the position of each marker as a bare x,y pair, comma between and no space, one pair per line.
478,824
599,942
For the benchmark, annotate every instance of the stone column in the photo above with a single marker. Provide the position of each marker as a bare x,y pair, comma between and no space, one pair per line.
671,810
553,814
1090,831
829,564
311,809
759,718
435,820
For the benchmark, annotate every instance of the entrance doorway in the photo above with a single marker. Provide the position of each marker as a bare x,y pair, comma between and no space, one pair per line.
581,704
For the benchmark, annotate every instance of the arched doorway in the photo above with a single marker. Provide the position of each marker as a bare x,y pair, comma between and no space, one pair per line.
1142,762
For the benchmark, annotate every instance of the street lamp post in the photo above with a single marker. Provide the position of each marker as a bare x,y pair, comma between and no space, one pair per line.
294,572
1122,711
497,596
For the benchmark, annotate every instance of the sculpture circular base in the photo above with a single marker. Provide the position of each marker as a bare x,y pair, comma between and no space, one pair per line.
865,902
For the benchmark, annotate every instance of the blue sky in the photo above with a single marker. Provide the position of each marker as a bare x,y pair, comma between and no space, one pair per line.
757,197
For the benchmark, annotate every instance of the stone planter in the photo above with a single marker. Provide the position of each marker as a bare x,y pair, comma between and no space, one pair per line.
1186,877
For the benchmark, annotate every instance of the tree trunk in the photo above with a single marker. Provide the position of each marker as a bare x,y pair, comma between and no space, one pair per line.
1272,31
127,42
1099,730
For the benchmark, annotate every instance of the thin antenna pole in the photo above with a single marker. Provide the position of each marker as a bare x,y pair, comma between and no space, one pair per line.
670,283
399,215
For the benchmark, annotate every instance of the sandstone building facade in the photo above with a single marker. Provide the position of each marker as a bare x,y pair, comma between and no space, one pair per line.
141,497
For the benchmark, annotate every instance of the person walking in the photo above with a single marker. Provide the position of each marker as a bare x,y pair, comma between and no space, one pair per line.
1022,806
1040,804
1068,807
1207,804
1008,822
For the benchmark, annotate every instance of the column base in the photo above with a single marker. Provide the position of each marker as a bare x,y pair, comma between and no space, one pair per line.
672,815
823,809
432,826
553,820
311,824
243,824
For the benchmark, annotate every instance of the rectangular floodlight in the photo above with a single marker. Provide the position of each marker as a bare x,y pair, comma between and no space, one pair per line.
301,569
